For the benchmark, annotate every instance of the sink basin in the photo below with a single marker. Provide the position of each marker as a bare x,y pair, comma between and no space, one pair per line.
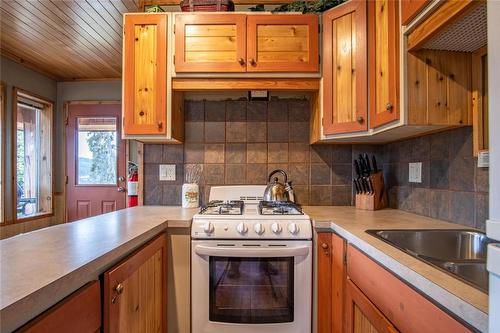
461,253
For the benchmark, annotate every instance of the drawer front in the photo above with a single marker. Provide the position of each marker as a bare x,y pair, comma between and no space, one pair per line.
402,305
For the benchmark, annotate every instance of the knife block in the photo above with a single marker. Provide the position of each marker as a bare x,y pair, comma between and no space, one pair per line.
377,200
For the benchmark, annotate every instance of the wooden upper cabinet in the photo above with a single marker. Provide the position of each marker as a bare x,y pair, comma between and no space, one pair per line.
282,43
145,74
345,94
411,8
383,45
135,291
210,43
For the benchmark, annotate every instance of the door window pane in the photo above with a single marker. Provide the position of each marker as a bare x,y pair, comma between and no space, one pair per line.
33,159
96,151
251,290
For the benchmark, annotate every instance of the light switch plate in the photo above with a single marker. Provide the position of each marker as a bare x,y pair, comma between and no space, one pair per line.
415,172
483,159
167,172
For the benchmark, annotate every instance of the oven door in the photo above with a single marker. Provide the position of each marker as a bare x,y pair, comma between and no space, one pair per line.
242,286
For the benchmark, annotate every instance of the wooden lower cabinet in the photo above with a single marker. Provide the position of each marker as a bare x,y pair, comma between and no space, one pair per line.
79,312
135,291
361,316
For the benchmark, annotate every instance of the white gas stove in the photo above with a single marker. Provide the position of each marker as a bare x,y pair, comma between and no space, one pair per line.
251,264
238,212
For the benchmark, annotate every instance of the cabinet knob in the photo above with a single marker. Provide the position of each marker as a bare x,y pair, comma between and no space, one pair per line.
253,62
160,124
360,119
389,107
119,288
141,113
324,246
241,61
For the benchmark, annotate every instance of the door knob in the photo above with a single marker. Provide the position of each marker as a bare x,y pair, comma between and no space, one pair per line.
121,189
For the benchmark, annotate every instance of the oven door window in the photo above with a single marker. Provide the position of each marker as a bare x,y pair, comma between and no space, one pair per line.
251,290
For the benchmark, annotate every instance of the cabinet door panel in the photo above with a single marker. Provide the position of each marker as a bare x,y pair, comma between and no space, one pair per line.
135,291
410,9
210,43
145,74
282,43
345,94
384,61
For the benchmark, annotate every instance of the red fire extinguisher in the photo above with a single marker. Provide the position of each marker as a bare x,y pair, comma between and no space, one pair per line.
132,189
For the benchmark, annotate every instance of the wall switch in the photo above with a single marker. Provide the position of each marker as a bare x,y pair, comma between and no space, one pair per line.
167,172
483,159
415,172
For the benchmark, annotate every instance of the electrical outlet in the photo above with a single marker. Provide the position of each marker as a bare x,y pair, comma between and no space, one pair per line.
483,159
167,172
415,172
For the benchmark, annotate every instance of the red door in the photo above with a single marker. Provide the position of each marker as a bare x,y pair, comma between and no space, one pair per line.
96,165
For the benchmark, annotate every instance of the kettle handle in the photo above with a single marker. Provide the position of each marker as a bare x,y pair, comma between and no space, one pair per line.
278,171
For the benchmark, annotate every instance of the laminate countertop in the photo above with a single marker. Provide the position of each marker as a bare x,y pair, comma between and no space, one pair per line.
465,301
40,268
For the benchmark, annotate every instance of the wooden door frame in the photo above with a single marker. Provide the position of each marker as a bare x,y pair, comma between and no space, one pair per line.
3,134
65,157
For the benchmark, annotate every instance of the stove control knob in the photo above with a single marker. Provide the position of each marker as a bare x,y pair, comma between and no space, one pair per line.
276,228
242,228
208,228
258,228
293,228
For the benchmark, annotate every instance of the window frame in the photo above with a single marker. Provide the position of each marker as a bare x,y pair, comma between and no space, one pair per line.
3,138
16,92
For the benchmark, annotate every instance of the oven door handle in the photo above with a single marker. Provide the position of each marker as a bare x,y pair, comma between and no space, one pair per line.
267,252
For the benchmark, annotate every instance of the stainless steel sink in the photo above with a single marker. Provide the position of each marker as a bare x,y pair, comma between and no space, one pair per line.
461,253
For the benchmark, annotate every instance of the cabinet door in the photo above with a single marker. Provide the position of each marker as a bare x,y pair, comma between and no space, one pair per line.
345,91
410,9
282,43
361,316
383,43
331,278
135,291
79,312
145,74
210,43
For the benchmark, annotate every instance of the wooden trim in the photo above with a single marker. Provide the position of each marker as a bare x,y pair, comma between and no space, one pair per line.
79,312
358,8
129,73
5,53
382,118
305,84
123,270
236,2
324,313
339,275
411,8
478,111
181,20
311,20
402,305
3,137
140,172
354,297
447,13
47,103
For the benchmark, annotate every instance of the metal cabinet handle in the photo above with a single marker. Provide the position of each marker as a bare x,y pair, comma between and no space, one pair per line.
241,61
389,107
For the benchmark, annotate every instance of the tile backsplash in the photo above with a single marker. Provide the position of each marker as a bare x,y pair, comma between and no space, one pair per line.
239,142
452,187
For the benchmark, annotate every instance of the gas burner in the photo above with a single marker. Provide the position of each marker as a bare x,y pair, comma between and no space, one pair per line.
220,207
279,208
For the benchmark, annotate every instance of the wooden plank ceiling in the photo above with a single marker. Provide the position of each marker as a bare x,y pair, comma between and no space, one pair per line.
65,39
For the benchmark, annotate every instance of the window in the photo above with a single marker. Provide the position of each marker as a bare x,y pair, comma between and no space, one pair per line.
97,151
33,156
2,151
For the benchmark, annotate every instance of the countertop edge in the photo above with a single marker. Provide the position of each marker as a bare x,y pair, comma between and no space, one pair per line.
459,307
